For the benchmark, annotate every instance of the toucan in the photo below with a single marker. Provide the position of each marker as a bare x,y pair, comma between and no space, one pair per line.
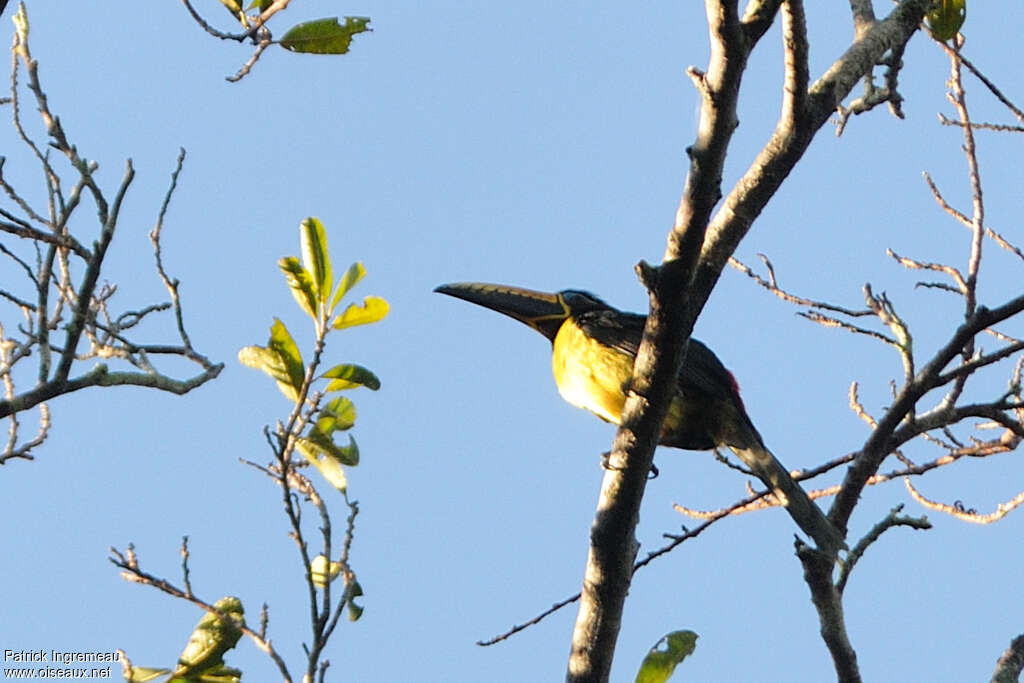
594,346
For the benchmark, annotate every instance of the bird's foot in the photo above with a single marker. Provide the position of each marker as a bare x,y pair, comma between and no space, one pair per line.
606,464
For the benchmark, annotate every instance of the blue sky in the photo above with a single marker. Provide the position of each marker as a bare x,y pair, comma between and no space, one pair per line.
527,144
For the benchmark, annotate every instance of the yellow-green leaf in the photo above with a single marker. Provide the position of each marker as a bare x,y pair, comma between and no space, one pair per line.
270,362
212,637
371,310
945,18
659,665
281,341
324,454
338,415
323,572
280,359
301,283
317,446
315,257
324,36
233,6
349,376
354,274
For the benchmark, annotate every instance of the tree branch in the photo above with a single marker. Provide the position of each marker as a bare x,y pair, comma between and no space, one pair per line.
613,546
680,287
1010,663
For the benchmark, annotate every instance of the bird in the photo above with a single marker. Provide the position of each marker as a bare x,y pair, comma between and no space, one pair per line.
593,349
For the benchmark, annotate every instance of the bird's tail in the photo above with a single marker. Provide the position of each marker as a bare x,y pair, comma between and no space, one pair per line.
801,508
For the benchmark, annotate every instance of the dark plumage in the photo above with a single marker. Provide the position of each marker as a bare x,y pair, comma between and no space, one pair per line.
593,349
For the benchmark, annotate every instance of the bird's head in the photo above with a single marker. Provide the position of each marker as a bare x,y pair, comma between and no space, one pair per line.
542,311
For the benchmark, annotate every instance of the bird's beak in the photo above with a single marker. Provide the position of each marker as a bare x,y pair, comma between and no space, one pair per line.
542,311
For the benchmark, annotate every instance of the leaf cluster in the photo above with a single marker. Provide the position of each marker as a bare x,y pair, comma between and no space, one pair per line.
314,288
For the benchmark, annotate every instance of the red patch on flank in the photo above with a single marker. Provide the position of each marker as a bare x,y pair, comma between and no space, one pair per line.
736,390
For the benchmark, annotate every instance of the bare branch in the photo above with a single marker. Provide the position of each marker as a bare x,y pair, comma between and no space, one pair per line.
244,70
966,515
772,285
967,222
893,519
956,54
998,127
1010,663
879,444
255,31
65,301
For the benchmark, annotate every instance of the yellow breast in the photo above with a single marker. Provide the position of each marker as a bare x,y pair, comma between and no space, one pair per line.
590,375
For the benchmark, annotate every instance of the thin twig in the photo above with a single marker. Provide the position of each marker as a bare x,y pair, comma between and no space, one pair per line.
131,571
893,519
966,515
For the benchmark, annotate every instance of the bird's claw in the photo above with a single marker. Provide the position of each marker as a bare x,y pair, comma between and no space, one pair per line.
606,464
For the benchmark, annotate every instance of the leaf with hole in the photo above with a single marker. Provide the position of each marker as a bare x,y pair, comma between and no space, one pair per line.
659,664
945,18
324,36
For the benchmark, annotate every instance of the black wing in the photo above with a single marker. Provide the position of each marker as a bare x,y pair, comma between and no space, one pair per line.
702,372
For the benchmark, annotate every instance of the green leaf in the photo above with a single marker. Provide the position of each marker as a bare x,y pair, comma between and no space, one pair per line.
281,341
349,376
350,453
945,18
658,665
324,36
212,637
280,359
313,239
353,275
301,283
372,309
336,416
355,611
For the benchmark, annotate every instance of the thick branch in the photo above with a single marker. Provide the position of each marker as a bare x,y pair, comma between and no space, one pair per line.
1010,663
828,602
680,287
613,546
